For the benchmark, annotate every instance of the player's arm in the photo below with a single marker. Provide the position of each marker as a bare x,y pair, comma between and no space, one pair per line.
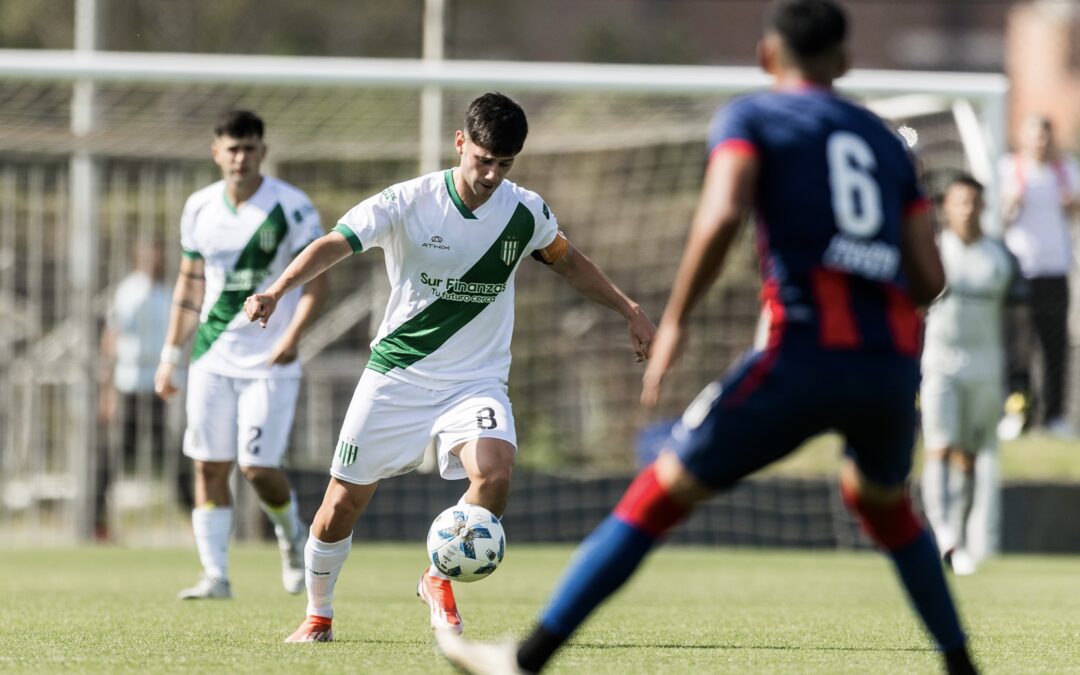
183,319
920,258
727,198
319,256
586,278
311,301
106,362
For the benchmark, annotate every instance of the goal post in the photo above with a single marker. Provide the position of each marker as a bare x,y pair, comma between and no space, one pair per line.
617,151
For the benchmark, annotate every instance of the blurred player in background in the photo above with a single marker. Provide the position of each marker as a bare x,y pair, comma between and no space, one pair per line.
440,360
963,365
236,236
847,255
1041,197
134,331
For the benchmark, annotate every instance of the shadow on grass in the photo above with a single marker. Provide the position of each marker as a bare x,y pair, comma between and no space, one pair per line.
653,645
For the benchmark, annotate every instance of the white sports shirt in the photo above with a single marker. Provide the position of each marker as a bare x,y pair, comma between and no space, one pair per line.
450,316
964,326
1039,237
244,251
139,314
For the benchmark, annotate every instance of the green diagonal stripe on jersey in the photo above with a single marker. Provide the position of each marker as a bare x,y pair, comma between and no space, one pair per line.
439,321
251,268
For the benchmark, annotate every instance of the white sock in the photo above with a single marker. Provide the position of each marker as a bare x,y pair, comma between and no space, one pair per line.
286,520
213,526
323,563
435,572
961,495
932,487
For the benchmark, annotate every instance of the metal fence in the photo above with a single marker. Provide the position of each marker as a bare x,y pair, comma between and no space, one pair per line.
619,157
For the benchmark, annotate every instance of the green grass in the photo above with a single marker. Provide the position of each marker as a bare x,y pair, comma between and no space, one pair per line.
690,610
1033,456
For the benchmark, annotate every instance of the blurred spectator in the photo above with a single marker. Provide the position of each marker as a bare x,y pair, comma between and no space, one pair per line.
1040,192
131,415
963,359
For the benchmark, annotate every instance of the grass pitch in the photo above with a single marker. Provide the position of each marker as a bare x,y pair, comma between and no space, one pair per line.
689,610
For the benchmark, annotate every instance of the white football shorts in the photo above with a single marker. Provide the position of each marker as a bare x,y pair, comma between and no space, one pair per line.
959,414
246,420
389,424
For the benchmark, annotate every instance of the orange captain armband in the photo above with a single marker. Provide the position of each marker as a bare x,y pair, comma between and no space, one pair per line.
553,252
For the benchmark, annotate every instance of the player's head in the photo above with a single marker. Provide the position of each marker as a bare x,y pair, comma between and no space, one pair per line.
963,206
238,148
148,255
1037,137
805,38
494,133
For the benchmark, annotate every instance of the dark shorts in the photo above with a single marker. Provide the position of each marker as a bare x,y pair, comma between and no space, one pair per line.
770,402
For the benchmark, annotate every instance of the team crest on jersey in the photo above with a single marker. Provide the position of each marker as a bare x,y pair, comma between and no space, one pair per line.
346,453
268,240
509,253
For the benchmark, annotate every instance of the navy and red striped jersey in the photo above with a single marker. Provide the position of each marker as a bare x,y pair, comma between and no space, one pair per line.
834,187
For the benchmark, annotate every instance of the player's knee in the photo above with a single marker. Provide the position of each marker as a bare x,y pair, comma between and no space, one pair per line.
254,474
962,461
494,480
890,521
648,506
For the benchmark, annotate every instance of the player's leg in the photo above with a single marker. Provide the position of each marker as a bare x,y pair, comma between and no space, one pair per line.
729,431
327,549
1050,300
475,437
886,515
266,408
210,441
961,495
878,422
384,434
941,420
212,524
661,496
982,409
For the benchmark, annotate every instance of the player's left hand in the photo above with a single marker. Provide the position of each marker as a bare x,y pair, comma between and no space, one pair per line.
642,334
285,352
666,350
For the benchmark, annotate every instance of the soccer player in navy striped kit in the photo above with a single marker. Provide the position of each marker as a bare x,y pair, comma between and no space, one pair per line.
847,256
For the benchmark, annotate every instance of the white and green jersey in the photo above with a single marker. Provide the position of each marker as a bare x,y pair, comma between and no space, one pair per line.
964,326
450,316
244,250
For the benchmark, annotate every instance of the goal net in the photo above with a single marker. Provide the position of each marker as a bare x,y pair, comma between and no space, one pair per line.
99,153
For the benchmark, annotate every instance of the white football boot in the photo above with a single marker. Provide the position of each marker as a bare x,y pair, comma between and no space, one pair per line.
479,658
208,588
292,563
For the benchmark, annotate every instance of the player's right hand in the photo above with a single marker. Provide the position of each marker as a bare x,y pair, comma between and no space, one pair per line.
163,381
666,349
259,307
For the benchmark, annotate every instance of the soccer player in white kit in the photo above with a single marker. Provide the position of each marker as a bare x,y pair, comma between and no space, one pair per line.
963,368
440,360
236,236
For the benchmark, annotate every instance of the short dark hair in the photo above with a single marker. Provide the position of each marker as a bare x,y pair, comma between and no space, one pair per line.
239,124
497,123
966,180
809,28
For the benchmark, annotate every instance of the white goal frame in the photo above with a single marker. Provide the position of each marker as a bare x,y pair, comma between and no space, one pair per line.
977,101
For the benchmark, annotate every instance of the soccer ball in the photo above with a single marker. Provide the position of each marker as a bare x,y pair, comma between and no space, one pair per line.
466,542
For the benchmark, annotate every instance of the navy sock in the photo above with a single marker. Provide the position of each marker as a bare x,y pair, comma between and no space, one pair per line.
603,562
922,575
